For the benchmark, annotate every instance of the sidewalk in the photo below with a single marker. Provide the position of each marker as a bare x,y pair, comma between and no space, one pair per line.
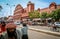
45,28
46,31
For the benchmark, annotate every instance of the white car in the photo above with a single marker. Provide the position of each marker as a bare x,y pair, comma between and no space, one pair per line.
57,24
17,23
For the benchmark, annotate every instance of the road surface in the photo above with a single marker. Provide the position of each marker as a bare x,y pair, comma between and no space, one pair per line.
39,35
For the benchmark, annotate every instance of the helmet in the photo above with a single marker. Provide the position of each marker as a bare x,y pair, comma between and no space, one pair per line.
10,25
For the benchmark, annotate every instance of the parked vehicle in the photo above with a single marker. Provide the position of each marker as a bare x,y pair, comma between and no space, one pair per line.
50,24
57,24
17,23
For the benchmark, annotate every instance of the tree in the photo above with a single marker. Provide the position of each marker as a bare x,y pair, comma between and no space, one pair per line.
1,8
56,14
5,18
34,14
49,15
44,15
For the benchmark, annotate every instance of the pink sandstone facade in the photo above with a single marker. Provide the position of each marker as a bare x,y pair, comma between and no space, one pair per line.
53,6
23,13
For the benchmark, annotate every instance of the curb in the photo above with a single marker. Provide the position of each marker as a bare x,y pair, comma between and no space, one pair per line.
45,31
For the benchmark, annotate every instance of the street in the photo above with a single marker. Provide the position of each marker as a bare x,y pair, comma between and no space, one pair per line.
40,17
39,35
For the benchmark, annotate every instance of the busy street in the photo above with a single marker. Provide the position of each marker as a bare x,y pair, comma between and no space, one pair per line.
38,35
29,19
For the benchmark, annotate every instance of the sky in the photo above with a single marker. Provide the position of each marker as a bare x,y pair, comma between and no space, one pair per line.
9,9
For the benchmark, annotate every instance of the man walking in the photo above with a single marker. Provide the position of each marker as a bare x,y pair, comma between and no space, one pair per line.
12,32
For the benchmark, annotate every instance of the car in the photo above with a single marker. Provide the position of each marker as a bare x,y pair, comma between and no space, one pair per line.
50,24
57,24
34,22
17,23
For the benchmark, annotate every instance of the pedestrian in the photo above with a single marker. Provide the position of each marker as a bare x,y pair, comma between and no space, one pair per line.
3,24
12,32
54,28
2,29
24,31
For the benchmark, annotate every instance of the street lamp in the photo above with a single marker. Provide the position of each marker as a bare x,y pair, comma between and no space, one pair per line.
10,7
1,8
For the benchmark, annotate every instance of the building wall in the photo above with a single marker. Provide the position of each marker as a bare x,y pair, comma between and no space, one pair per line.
53,6
30,6
20,12
58,6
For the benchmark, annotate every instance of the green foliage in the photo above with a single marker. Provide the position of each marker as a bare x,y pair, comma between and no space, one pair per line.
43,15
49,15
34,14
5,18
56,14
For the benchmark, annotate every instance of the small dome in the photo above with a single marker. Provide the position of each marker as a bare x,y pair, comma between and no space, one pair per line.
29,2
19,6
38,8
53,3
